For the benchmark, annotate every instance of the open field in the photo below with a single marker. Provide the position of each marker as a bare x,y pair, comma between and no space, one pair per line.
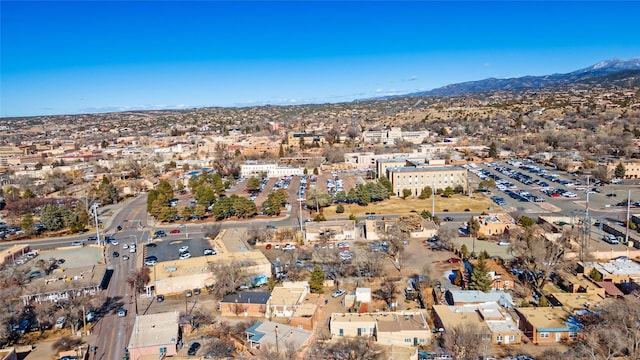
456,203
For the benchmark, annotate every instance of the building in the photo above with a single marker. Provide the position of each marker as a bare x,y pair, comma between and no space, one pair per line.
258,169
280,336
494,224
573,303
62,284
8,354
386,328
285,299
615,271
416,178
464,297
631,167
13,253
335,230
502,280
177,276
155,334
493,321
246,303
300,139
544,325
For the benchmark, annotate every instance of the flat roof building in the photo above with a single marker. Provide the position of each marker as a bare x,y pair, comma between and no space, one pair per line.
155,334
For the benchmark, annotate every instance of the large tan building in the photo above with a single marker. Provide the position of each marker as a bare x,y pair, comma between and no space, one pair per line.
337,230
416,178
631,167
494,224
177,276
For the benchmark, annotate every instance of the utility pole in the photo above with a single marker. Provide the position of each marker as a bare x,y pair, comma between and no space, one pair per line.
277,347
626,236
433,199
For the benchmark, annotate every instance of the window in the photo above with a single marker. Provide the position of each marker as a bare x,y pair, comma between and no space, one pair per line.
506,282
407,340
340,332
544,335
422,341
499,338
512,338
372,331
573,334
363,331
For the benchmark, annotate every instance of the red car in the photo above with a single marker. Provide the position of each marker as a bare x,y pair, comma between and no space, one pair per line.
454,260
175,231
268,247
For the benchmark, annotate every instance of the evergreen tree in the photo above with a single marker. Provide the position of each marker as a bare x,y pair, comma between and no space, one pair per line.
316,283
493,150
480,279
386,183
426,193
253,184
406,193
27,224
281,151
464,251
543,302
339,209
620,171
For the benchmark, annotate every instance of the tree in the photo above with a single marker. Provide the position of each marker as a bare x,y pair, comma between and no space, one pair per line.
620,171
406,193
409,222
253,184
348,349
473,226
52,217
464,251
426,193
526,221
316,283
27,224
387,292
107,192
480,279
205,195
595,275
464,342
536,255
543,302
339,209
28,194
493,150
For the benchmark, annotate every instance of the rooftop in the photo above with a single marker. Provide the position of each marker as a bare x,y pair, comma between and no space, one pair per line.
579,301
154,329
337,226
619,267
248,297
476,296
208,264
264,332
427,168
387,321
546,318
287,295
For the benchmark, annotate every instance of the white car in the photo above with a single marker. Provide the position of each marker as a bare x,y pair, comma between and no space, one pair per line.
504,243
183,249
132,249
114,243
125,246
288,247
184,256
338,293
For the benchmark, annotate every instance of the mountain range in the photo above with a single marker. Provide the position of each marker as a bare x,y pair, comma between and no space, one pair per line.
613,72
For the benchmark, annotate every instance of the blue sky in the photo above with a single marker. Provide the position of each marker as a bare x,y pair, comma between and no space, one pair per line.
91,56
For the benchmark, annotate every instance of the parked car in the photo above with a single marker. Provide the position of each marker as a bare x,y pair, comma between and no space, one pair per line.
288,247
448,218
185,256
338,293
183,249
122,312
60,322
454,260
125,257
504,243
160,298
209,252
175,231
193,349
77,243
268,247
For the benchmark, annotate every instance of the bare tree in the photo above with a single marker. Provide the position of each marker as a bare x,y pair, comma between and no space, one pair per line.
212,230
227,279
387,292
348,349
535,254
464,342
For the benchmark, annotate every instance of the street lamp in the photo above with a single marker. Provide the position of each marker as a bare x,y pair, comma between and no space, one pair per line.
94,207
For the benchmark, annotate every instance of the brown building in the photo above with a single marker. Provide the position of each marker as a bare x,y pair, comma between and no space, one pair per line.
495,224
545,325
246,303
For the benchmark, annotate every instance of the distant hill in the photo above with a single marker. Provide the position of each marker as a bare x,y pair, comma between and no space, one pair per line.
607,73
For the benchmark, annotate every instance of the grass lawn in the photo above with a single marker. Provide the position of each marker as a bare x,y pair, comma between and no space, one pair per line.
456,203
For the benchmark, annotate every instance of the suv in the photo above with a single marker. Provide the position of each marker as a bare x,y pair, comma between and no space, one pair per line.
77,243
60,322
159,233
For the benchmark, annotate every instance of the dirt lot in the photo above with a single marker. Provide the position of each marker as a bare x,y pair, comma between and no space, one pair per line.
456,203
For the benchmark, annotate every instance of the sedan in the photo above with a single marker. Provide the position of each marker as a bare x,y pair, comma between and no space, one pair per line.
338,293
193,349
448,218
125,257
454,260
184,256
175,231
183,249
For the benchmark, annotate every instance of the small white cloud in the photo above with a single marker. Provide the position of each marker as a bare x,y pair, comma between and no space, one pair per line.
378,90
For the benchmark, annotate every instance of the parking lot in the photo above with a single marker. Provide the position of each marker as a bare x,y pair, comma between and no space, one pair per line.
168,248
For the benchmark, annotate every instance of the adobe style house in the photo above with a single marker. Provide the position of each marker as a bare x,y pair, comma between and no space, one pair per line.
386,328
492,320
495,224
155,335
546,325
246,303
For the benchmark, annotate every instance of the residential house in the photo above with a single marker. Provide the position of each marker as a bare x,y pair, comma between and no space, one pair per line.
285,299
577,301
544,325
490,319
272,335
386,328
246,303
463,297
154,334
494,224
502,279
